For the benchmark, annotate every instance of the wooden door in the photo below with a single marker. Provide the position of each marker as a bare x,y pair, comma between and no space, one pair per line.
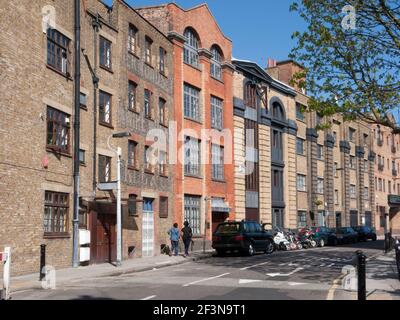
106,238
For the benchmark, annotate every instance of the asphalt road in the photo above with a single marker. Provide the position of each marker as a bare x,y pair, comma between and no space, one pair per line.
305,275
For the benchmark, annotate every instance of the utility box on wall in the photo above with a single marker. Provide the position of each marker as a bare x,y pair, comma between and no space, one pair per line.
84,242
84,237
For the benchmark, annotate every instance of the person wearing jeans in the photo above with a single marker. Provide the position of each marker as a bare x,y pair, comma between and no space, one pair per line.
187,235
174,237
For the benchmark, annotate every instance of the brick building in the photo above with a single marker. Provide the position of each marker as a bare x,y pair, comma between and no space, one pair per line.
204,192
132,61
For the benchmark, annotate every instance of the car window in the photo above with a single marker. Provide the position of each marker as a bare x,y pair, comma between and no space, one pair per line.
250,227
228,228
257,227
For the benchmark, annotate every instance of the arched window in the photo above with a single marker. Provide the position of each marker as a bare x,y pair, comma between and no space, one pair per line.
277,111
190,54
250,95
216,60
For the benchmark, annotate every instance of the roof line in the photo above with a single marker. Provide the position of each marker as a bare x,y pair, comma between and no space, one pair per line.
147,21
187,10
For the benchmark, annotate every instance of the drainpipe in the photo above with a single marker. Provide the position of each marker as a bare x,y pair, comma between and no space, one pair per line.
96,25
77,80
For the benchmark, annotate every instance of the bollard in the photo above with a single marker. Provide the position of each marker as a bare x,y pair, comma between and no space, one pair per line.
397,248
6,274
361,272
42,273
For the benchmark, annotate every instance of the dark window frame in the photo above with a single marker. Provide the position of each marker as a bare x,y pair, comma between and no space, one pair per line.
56,202
132,95
148,50
132,151
102,167
102,106
105,49
61,50
56,123
163,207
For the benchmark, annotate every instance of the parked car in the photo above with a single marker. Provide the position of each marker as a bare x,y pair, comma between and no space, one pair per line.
365,233
246,237
346,235
324,236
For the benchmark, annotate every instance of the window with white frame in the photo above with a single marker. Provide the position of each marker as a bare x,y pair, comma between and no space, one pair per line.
352,191
192,156
217,155
216,113
193,213
301,182
320,152
216,60
320,185
190,50
191,102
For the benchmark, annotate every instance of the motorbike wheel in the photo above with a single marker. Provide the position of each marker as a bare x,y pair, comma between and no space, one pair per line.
313,244
282,247
322,243
299,246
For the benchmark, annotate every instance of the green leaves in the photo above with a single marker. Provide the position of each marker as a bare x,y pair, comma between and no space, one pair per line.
351,72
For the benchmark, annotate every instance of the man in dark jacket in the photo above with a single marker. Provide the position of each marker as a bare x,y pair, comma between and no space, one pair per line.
187,235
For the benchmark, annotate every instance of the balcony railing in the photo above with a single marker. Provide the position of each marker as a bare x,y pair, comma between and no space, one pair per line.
381,167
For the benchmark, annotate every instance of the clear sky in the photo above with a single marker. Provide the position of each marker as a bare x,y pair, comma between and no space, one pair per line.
259,29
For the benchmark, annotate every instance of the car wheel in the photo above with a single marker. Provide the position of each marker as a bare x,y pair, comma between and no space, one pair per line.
322,243
250,250
270,247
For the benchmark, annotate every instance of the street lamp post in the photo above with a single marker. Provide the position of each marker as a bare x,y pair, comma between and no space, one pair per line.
119,215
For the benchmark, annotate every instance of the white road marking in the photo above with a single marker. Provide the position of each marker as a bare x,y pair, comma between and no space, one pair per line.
148,298
284,274
292,284
256,265
331,265
202,280
246,281
165,262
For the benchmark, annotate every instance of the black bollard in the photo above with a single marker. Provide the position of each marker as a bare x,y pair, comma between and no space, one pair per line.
42,261
361,264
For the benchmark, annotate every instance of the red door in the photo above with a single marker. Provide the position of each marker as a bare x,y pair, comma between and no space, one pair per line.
106,238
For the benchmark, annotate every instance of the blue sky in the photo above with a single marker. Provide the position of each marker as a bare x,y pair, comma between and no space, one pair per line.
259,29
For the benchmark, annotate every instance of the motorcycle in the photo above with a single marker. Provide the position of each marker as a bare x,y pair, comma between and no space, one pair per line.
307,238
294,240
280,240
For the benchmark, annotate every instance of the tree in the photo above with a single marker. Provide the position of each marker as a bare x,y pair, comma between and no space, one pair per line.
351,61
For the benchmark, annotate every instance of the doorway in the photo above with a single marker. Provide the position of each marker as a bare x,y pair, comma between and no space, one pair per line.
338,219
148,228
106,238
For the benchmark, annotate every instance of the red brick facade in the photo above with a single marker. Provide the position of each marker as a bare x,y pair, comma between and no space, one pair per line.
174,20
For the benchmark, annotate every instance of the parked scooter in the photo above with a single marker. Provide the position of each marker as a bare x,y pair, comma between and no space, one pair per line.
281,242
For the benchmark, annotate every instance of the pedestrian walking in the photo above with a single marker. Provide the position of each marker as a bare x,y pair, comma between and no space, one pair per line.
174,237
187,235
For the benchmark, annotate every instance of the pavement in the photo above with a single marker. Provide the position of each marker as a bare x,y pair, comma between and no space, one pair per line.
313,274
31,281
